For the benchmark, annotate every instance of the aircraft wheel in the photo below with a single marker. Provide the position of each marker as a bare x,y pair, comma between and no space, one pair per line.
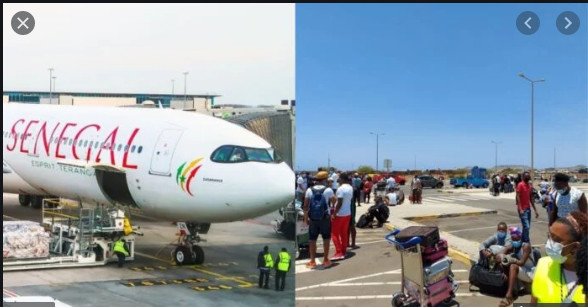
182,255
24,200
199,254
37,202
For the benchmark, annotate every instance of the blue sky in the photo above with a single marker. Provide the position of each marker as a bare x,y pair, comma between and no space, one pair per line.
441,82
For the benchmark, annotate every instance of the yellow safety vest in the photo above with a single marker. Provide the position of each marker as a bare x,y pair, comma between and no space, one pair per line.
284,263
269,262
119,246
546,283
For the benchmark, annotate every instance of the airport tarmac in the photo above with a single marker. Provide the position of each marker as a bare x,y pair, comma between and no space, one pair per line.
371,274
228,276
369,277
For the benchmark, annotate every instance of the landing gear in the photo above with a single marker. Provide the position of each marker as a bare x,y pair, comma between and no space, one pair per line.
198,253
182,255
37,202
24,200
187,251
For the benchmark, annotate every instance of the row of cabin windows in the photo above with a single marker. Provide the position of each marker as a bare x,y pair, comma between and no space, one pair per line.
83,143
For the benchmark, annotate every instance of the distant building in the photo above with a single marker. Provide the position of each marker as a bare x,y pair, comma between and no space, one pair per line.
110,99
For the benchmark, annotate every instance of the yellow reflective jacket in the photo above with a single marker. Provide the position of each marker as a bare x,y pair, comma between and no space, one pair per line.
284,263
119,246
269,262
546,283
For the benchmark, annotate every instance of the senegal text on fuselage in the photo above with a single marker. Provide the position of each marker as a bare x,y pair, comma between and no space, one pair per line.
23,129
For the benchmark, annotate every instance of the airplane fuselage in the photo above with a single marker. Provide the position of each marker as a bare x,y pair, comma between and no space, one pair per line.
156,159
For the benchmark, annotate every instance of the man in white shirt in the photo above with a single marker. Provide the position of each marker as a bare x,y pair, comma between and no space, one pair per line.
391,182
391,198
341,218
567,199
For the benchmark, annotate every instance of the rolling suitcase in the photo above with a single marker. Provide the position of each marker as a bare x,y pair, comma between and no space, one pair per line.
429,235
437,271
435,252
438,292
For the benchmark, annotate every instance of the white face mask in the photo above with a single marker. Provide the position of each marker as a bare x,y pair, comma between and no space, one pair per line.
553,250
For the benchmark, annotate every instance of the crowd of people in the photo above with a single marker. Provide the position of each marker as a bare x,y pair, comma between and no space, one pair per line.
559,277
504,183
330,199
364,186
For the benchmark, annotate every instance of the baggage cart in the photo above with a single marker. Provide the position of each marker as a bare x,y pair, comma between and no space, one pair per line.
414,291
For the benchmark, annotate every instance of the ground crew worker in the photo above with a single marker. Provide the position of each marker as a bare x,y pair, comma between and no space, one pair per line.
283,264
121,251
264,264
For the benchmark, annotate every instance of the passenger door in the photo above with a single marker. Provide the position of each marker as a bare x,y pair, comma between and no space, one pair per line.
164,151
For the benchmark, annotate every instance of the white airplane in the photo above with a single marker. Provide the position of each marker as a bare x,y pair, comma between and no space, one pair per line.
173,165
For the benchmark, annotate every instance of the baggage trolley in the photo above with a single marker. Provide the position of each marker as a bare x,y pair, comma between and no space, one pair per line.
413,291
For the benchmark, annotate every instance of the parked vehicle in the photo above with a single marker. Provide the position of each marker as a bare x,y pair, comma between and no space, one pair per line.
476,179
431,182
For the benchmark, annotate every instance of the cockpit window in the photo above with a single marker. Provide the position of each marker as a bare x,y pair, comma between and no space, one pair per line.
236,154
258,154
222,154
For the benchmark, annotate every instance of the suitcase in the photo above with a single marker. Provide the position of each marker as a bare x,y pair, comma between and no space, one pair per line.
429,235
437,271
438,292
435,252
490,282
412,198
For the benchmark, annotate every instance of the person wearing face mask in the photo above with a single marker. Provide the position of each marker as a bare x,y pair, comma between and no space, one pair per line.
524,203
566,199
555,279
518,263
495,243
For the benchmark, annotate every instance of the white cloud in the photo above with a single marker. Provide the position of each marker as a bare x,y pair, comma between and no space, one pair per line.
244,52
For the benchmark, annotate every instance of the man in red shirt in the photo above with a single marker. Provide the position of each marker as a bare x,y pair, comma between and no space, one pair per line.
524,203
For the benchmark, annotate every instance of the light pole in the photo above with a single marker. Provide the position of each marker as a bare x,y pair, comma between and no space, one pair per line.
54,77
185,76
532,117
50,85
496,156
377,149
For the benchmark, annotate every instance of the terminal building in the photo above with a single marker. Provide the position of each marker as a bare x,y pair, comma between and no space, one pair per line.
275,123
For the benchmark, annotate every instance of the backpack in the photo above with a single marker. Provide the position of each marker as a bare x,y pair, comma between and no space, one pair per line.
318,205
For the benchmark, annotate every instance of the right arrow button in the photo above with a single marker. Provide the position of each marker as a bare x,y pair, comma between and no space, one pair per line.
568,23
